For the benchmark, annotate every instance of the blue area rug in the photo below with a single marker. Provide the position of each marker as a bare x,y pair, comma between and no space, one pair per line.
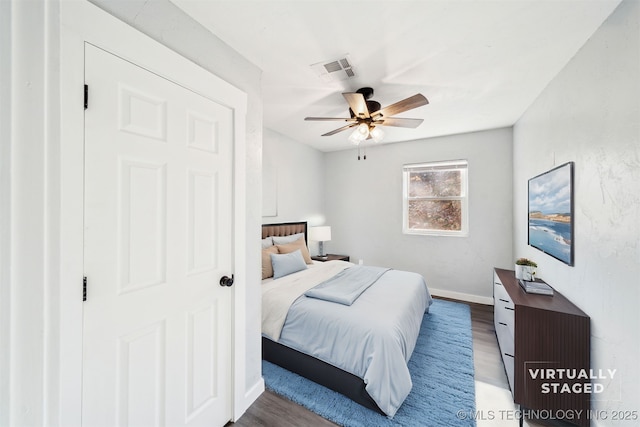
441,367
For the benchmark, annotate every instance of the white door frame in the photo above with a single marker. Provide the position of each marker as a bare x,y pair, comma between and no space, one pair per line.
80,23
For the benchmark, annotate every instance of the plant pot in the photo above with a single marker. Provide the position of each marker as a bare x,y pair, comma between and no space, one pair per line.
525,272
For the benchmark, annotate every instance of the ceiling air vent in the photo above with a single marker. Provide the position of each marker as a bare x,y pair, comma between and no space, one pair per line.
332,67
333,70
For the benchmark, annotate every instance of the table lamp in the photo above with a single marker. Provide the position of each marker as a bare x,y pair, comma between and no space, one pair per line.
320,234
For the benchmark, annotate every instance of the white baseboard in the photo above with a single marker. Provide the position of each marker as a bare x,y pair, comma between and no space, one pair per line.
249,397
461,296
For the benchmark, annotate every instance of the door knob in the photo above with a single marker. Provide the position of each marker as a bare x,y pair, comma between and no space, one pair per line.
226,280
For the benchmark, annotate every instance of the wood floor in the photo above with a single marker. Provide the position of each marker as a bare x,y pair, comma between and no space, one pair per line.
271,410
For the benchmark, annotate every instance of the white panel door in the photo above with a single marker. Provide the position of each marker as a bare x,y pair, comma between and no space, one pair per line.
158,221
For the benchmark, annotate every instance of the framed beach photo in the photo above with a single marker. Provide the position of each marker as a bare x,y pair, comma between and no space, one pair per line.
551,219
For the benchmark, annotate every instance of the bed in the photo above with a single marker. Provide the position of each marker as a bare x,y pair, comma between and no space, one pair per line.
350,328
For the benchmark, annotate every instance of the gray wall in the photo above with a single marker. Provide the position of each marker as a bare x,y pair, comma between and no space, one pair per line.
364,208
293,180
5,204
590,114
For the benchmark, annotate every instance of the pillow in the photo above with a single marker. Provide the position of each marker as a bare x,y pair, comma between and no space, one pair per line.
267,268
285,264
281,240
298,244
267,242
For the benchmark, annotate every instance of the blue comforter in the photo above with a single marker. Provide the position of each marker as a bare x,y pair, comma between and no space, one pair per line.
346,286
373,338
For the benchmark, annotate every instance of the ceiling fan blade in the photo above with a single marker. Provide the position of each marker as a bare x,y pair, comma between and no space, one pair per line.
358,104
398,122
412,102
330,119
333,132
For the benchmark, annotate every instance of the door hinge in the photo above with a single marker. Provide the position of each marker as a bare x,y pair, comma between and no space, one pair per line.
86,96
84,288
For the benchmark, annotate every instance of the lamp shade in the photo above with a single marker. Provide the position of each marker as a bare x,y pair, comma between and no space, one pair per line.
320,234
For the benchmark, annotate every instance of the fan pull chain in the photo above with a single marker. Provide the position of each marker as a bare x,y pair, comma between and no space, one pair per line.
364,151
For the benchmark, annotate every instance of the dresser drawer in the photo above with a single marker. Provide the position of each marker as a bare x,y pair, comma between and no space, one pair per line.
503,307
505,337
509,362
500,294
503,313
504,323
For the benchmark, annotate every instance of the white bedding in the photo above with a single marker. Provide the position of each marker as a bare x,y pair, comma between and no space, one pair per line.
278,295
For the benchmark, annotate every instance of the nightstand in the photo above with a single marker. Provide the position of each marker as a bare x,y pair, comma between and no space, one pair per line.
331,257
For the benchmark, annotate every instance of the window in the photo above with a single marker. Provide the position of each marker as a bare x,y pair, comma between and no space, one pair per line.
435,198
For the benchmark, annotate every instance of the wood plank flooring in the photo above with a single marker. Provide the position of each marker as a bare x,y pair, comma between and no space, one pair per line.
271,410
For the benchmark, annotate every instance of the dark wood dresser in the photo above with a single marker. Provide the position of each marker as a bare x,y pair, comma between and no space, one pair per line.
542,338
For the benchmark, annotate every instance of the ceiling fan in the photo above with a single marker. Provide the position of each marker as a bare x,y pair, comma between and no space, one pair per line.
366,115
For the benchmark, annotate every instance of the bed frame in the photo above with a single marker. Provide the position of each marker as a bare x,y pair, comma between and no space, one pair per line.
307,366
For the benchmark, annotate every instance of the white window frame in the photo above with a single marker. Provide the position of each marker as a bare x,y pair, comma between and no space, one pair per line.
463,167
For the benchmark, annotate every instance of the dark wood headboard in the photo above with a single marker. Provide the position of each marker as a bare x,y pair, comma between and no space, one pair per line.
285,229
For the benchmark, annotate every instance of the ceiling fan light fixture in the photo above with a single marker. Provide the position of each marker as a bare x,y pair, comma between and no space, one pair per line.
377,134
355,138
359,134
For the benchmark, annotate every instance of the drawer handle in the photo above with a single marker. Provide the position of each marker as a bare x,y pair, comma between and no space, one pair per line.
510,355
504,300
509,308
503,324
497,283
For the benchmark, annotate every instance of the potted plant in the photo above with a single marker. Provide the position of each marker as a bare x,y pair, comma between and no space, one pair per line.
525,269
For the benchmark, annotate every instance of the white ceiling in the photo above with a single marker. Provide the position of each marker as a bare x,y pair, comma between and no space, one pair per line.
480,63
